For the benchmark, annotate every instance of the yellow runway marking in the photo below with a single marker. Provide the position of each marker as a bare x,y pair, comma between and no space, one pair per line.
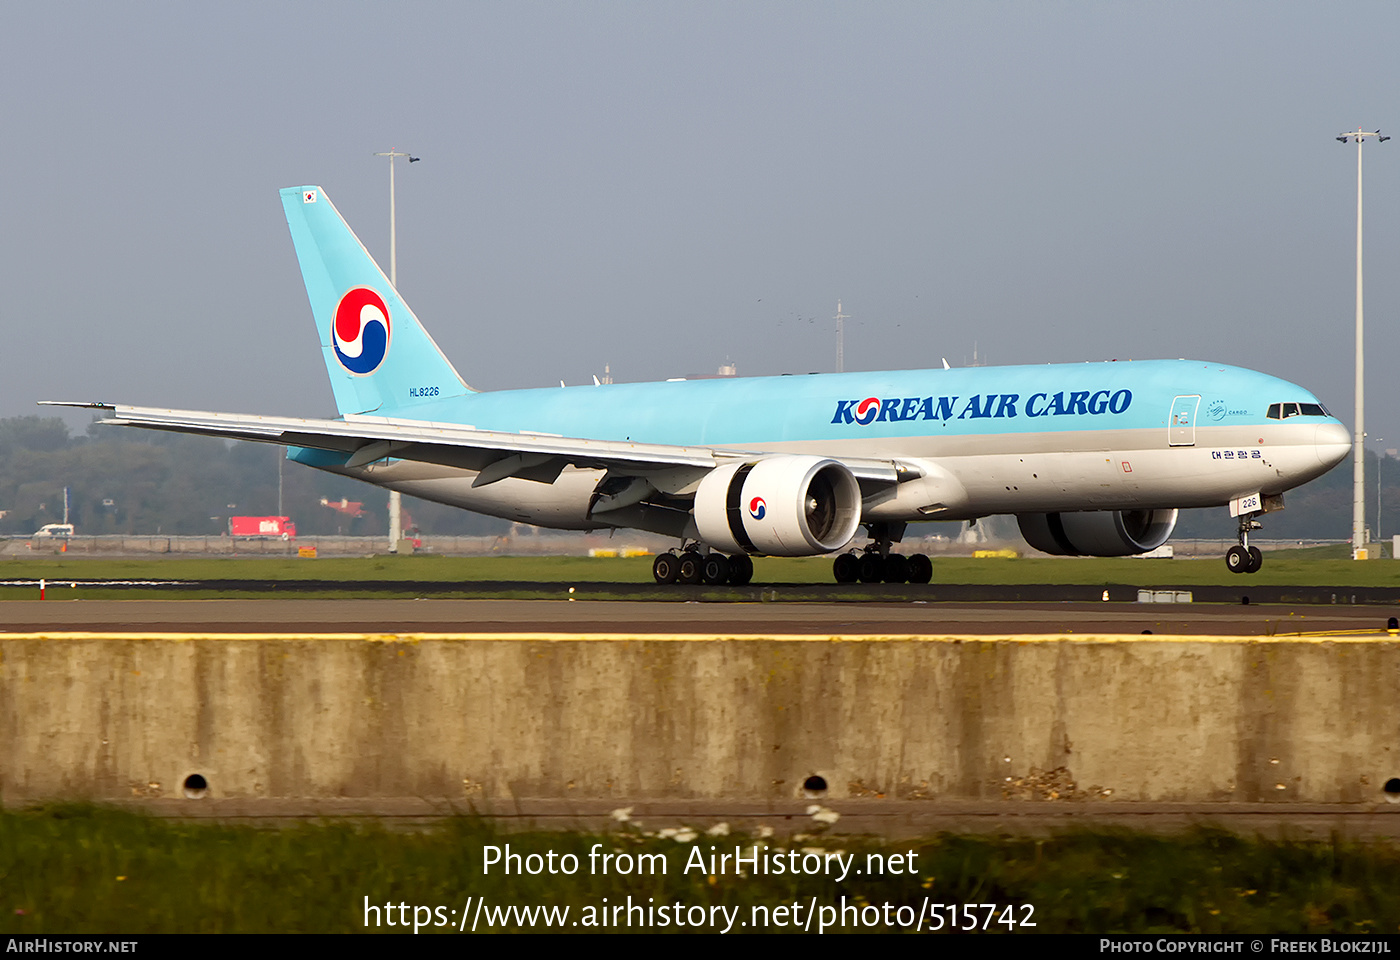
1339,636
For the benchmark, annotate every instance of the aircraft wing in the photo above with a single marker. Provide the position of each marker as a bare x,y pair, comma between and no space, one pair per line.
497,455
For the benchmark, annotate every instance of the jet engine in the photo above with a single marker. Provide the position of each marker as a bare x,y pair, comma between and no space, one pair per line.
783,506
1097,533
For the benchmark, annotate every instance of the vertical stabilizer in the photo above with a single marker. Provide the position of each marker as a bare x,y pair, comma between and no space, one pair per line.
379,357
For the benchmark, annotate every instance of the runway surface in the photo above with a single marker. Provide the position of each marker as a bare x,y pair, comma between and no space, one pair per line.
583,617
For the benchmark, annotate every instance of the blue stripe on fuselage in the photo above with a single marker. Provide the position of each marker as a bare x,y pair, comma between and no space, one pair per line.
912,403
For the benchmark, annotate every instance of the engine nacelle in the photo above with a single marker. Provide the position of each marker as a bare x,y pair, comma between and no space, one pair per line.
1097,533
783,506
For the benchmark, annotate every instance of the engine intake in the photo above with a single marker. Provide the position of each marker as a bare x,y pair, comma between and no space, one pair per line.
784,506
1097,533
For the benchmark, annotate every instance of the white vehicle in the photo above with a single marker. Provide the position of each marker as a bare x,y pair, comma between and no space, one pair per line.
55,530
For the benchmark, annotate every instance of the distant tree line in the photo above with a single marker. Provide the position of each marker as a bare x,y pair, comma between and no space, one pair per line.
123,481
1320,510
147,482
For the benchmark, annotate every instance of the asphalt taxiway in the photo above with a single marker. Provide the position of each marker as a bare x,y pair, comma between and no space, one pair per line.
284,617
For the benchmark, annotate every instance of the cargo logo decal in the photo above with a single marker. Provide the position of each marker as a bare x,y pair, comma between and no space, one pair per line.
757,508
1091,403
360,332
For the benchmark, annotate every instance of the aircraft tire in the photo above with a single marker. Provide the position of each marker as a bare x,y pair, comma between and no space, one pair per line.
896,568
665,568
740,569
1256,560
691,568
714,568
846,568
920,568
872,568
1237,560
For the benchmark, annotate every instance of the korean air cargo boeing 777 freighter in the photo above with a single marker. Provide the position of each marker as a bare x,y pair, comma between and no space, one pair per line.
1092,458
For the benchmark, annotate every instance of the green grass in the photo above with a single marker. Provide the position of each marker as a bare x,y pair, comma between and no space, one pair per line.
67,869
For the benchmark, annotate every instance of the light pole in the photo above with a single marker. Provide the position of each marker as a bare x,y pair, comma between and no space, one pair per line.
395,499
840,319
1380,455
1358,500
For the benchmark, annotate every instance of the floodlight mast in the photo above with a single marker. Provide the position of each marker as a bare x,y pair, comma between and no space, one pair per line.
395,499
1358,446
840,319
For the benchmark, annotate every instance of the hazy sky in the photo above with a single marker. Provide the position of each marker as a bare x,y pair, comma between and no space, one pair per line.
663,186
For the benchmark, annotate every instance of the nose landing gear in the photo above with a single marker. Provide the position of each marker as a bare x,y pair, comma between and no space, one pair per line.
1244,558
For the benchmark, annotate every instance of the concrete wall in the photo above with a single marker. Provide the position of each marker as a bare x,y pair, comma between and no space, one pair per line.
460,718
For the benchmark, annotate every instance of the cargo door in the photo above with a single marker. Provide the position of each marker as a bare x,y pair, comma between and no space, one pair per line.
1181,429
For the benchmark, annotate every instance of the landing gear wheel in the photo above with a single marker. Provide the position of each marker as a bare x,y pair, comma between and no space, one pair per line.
714,569
846,568
665,568
690,568
1244,558
1237,559
872,568
740,569
896,568
920,569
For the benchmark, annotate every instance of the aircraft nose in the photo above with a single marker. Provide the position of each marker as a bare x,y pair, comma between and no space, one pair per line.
1332,444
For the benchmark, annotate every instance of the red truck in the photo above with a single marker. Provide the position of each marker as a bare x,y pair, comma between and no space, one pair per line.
265,528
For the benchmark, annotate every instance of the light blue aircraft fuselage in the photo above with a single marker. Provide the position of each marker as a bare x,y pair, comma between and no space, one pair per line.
1092,457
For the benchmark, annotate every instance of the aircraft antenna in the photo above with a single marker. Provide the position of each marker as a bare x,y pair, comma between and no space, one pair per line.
1358,446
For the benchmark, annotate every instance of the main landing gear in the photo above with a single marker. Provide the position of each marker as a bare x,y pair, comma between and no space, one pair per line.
876,564
1244,558
692,567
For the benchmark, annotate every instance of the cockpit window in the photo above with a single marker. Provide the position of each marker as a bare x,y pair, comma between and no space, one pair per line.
1282,411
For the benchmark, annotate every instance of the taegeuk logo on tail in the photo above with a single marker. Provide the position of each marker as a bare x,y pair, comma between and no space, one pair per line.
361,330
